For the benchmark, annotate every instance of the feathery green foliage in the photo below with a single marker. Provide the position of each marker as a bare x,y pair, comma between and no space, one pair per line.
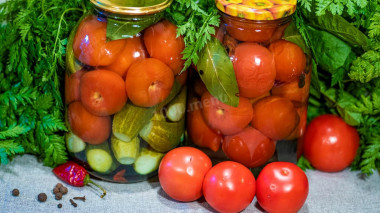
33,35
196,21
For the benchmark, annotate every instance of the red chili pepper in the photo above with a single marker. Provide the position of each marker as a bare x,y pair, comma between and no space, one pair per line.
75,175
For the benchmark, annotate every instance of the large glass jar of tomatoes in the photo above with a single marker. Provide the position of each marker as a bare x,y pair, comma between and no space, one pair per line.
272,69
125,97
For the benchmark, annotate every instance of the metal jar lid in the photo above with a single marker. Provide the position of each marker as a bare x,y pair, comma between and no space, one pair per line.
257,9
132,7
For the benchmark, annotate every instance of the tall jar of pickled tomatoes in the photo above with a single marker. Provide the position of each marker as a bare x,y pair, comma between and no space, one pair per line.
125,99
271,66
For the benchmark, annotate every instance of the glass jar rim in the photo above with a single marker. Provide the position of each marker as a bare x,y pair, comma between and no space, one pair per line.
117,8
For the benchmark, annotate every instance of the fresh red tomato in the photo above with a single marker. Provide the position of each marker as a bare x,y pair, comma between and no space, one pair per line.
249,147
330,144
181,173
281,187
229,187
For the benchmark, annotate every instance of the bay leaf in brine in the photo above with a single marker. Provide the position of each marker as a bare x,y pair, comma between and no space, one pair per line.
128,27
216,71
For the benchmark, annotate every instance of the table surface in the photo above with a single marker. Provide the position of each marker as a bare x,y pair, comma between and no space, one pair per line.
328,192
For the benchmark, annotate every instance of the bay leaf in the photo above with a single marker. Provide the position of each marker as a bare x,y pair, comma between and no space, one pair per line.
216,71
129,26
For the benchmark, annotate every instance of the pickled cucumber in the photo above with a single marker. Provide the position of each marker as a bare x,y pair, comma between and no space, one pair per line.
99,158
125,152
173,93
74,143
177,107
163,136
129,121
147,161
159,114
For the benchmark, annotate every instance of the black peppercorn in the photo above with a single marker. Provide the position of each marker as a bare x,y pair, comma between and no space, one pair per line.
60,205
42,197
59,185
15,192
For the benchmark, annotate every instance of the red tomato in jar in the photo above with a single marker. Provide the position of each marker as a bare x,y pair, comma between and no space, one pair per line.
162,43
90,44
182,171
248,32
275,117
199,132
249,147
133,50
254,68
102,92
72,82
229,187
290,60
281,187
90,128
330,144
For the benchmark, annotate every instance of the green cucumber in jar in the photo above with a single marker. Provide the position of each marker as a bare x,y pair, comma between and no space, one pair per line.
177,107
125,152
147,161
173,93
163,136
100,158
74,143
129,121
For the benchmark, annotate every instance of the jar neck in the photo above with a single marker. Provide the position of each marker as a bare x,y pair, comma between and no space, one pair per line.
246,22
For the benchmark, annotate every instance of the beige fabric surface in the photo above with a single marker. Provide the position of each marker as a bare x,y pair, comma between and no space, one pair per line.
335,192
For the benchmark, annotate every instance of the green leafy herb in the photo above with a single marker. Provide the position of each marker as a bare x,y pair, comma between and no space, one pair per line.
129,26
339,27
291,34
196,21
330,52
216,71
338,7
366,67
33,38
304,164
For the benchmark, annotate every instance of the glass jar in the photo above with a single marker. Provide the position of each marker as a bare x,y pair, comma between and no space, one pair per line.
271,64
125,97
